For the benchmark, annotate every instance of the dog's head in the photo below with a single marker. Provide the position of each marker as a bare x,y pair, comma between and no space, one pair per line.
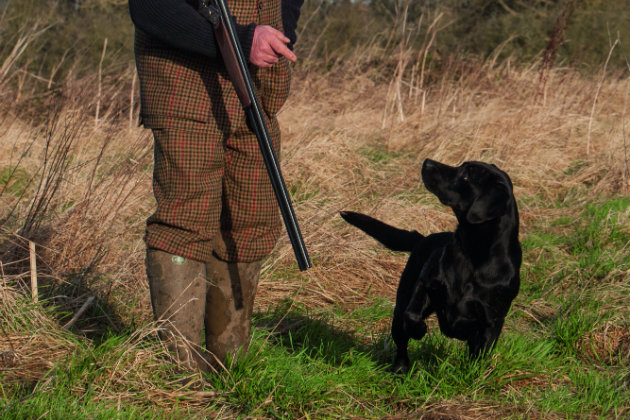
476,191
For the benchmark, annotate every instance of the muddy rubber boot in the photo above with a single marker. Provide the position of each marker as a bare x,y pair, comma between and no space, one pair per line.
229,306
178,297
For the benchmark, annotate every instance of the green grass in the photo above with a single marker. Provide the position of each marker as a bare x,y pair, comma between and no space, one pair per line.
376,152
64,405
587,247
334,362
300,192
319,370
14,181
66,391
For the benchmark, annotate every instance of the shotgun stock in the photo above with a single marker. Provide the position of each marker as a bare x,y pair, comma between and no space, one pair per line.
217,13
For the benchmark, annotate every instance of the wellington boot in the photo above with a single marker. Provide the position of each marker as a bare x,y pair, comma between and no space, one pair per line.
229,306
178,297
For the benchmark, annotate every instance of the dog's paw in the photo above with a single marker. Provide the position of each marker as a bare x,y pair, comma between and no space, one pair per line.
400,366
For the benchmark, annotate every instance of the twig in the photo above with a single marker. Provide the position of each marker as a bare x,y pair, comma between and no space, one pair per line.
33,257
131,98
109,320
56,68
100,88
555,41
4,281
626,171
599,88
76,316
8,340
304,26
426,45
21,80
29,35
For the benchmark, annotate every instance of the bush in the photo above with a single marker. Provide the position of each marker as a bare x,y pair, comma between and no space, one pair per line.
62,40
65,39
473,27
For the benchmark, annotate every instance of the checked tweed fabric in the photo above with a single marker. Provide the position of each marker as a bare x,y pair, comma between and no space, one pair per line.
211,186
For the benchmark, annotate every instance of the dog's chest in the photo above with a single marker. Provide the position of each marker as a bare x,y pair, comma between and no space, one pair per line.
458,275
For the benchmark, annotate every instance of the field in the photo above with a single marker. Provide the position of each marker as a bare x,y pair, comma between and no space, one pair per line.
75,181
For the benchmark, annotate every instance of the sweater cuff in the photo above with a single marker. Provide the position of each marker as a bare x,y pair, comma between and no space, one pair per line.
245,34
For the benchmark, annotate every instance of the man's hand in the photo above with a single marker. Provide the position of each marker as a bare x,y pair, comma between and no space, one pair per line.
268,45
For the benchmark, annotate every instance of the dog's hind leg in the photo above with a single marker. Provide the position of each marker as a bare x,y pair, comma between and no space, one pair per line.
401,339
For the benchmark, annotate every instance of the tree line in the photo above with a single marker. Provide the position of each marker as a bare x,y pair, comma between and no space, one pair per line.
68,38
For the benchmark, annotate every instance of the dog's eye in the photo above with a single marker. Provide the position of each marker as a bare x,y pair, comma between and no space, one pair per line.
468,172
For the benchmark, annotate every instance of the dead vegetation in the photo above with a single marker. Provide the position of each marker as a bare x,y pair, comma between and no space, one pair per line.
78,184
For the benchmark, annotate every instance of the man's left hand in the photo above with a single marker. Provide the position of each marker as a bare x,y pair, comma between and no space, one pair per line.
268,45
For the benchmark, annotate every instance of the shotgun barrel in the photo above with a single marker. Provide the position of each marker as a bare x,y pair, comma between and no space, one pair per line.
217,13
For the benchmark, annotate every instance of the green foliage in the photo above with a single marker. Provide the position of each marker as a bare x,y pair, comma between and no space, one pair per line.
301,192
72,40
64,405
378,154
577,317
508,28
312,366
598,241
14,181
69,393
333,362
66,37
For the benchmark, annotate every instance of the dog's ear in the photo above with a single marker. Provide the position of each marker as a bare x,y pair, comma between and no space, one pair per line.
489,205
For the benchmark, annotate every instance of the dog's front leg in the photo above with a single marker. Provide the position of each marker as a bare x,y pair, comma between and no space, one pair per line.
406,290
409,323
421,303
418,309
483,341
406,325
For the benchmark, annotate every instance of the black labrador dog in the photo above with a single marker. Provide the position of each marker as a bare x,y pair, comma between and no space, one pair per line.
468,277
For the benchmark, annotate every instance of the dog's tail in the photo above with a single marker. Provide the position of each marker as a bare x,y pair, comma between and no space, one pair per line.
393,238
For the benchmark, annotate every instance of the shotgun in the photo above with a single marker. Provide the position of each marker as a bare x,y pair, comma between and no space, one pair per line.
217,13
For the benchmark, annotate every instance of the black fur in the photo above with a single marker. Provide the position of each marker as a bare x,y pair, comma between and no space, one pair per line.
468,277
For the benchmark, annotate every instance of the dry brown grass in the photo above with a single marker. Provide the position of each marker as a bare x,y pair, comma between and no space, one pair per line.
89,234
608,344
31,342
491,114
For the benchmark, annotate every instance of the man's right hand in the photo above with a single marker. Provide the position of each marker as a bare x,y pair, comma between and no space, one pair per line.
268,45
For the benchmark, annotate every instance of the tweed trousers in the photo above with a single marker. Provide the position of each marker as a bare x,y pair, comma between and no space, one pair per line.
212,190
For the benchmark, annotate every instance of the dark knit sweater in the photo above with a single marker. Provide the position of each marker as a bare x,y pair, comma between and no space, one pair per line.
178,24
